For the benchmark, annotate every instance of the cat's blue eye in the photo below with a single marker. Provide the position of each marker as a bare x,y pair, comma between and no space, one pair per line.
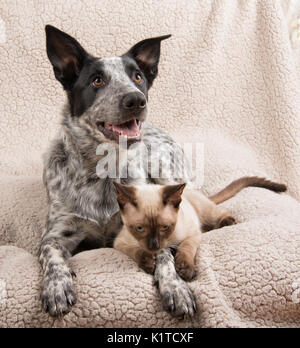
139,228
164,228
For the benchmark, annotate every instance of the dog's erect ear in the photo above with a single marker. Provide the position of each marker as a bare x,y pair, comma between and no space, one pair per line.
65,54
171,194
146,53
125,194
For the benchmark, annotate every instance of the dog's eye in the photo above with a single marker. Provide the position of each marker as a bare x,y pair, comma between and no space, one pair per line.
98,82
164,228
137,77
139,228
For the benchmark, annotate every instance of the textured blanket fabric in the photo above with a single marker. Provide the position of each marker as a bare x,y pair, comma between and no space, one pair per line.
228,79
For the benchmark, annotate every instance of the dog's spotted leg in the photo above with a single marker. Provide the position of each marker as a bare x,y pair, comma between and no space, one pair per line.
58,295
177,298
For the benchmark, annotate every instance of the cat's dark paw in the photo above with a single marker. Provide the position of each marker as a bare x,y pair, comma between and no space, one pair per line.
184,267
147,262
227,220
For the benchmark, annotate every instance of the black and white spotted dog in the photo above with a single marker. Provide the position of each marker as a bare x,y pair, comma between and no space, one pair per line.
107,99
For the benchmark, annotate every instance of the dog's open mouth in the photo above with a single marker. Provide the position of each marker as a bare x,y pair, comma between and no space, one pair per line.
130,129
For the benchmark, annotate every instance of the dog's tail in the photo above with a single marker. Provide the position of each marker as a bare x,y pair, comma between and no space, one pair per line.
247,181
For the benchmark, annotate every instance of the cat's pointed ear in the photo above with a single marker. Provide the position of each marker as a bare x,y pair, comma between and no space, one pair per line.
146,53
171,194
66,55
125,194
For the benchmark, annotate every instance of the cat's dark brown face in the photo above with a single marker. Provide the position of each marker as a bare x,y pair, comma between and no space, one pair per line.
150,213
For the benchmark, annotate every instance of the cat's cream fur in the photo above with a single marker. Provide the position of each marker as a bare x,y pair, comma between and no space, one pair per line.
184,225
156,217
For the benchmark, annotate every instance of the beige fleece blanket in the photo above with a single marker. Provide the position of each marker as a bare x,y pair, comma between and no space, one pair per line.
228,79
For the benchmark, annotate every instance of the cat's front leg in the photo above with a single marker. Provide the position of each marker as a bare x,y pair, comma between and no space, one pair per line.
128,245
185,257
185,266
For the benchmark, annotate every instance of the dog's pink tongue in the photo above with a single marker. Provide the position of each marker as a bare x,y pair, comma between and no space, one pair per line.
129,128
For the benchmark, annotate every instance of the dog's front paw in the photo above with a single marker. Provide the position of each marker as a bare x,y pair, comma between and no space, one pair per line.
58,295
147,262
177,298
184,267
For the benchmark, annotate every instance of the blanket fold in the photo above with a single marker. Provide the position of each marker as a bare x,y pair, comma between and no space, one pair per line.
248,276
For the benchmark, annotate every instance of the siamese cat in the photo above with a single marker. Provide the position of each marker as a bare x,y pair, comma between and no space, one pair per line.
156,217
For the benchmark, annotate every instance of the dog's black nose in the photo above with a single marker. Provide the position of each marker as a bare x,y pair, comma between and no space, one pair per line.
134,101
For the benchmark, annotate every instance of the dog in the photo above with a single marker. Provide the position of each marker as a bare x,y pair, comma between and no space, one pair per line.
107,99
